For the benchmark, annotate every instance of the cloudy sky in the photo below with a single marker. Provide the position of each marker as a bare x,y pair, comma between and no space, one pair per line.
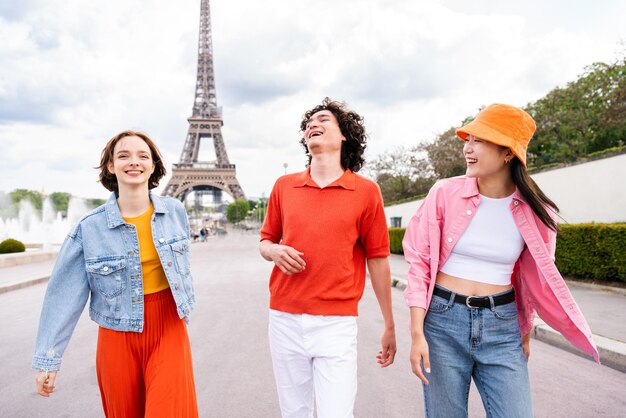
74,72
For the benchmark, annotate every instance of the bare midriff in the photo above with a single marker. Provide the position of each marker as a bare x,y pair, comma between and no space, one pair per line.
469,287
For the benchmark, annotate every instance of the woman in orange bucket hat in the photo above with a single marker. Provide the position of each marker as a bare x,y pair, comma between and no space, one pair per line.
481,255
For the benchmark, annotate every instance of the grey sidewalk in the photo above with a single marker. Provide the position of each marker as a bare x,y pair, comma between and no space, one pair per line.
604,308
22,275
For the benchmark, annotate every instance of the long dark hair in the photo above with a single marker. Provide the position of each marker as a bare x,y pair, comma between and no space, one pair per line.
351,125
538,201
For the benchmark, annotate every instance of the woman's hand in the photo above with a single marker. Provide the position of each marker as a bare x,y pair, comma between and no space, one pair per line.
45,383
419,357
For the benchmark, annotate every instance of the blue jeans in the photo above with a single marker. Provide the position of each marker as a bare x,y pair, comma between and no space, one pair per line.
483,344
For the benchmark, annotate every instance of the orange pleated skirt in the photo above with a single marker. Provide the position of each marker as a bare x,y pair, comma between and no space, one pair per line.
148,374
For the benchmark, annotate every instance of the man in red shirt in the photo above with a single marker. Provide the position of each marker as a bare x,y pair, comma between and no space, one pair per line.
322,227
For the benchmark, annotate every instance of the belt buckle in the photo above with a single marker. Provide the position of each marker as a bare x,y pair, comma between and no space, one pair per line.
467,302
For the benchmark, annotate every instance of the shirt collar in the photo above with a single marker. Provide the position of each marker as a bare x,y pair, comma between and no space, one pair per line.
114,217
346,181
158,203
470,189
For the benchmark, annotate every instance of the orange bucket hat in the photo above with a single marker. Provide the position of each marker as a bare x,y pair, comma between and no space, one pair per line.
504,125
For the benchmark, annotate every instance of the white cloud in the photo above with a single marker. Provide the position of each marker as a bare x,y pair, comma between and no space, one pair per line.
73,76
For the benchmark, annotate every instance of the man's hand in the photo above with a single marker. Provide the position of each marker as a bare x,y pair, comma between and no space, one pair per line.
419,357
387,353
45,383
526,345
287,259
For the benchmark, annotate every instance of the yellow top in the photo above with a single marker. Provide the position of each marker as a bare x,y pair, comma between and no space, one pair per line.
154,279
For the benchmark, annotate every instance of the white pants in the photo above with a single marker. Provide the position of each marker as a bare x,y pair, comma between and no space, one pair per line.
311,355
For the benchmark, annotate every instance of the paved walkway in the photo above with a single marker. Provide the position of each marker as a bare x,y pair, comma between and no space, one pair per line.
232,365
603,306
22,275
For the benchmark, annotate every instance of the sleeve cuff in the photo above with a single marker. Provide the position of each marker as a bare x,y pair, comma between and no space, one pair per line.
46,364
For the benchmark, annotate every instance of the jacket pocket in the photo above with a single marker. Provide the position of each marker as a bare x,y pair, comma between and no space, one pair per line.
180,253
108,276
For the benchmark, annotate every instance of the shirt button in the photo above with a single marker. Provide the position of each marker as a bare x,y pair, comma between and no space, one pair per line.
176,286
449,239
469,212
169,264
515,202
537,249
161,240
105,268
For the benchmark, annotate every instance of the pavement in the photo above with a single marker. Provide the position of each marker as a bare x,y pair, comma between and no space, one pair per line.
604,307
232,363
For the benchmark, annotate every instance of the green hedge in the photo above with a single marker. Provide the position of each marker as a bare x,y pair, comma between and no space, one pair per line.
592,251
586,251
395,240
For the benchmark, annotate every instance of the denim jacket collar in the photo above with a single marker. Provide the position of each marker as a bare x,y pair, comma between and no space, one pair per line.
114,217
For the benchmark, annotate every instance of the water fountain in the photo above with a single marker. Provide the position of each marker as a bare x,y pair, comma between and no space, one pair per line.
45,232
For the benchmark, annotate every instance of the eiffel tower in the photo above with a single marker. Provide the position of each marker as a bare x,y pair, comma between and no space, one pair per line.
204,177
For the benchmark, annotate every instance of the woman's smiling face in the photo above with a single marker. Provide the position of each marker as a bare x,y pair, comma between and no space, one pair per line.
132,162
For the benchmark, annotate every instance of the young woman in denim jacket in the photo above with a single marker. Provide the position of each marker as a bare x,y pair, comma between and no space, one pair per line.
131,255
481,254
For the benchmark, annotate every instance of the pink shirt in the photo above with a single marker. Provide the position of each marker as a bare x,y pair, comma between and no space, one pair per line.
441,220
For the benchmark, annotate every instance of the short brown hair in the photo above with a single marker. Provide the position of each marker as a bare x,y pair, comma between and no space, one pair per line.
109,181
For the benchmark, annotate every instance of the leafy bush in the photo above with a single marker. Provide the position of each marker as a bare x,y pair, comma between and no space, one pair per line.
11,246
237,211
586,251
395,240
592,251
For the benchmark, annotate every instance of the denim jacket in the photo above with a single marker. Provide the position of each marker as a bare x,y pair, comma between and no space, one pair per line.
539,287
100,257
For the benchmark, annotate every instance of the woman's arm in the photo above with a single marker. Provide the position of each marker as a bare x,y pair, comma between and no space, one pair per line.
66,296
419,347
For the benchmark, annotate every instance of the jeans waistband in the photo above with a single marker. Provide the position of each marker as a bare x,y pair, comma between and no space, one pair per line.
477,301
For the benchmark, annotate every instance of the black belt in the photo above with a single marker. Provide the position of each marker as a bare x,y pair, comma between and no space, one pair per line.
477,301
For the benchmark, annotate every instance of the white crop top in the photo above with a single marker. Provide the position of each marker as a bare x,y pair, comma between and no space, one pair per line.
489,247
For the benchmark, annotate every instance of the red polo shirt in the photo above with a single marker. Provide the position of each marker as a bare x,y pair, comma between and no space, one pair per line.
336,227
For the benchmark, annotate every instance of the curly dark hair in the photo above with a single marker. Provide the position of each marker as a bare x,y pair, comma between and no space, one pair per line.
351,126
109,180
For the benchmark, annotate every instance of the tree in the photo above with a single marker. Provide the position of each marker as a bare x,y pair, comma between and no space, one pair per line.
20,194
94,203
400,173
588,115
60,200
445,154
583,117
237,211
